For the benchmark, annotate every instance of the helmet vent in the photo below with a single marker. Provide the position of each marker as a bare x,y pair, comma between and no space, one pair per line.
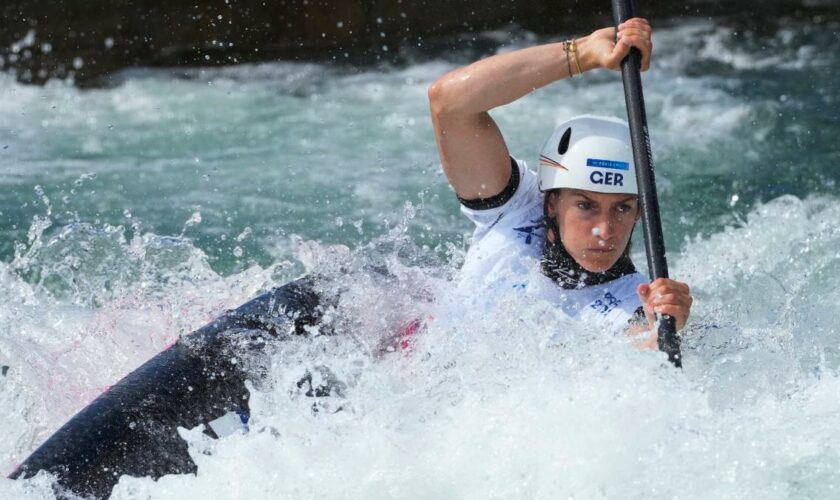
564,141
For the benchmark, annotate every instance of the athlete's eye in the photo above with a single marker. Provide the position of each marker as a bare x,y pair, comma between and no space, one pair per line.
623,208
585,205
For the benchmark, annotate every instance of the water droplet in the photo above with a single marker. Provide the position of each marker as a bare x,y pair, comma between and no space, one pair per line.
244,234
195,218
237,252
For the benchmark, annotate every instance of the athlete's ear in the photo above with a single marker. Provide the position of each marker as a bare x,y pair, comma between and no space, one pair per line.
548,203
550,212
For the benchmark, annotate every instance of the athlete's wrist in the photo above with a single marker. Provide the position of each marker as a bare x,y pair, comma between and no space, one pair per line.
586,58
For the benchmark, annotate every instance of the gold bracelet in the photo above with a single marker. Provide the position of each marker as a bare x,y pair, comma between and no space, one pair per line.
573,50
566,49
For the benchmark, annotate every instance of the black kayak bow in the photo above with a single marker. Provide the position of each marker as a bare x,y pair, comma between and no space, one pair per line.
669,341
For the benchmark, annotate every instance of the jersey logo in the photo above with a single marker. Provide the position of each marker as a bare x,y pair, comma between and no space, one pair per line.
528,232
606,304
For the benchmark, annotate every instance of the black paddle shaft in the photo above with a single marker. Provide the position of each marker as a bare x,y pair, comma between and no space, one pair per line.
669,341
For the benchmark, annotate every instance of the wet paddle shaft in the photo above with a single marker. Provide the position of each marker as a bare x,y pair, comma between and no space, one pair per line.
669,342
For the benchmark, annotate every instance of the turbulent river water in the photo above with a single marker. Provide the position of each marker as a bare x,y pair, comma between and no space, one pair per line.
133,214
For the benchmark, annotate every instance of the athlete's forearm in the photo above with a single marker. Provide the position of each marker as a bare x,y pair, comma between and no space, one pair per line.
473,151
504,78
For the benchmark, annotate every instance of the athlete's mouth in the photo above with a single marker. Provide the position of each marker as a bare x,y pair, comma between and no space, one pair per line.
600,250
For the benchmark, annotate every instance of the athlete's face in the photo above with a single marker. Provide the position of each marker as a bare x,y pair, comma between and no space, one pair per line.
594,227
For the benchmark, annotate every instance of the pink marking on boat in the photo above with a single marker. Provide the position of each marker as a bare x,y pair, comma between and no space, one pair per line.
408,332
14,470
407,335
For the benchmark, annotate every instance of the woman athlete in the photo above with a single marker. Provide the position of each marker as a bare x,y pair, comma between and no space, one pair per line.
562,235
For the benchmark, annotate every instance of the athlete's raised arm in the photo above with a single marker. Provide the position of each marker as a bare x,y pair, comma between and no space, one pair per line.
472,150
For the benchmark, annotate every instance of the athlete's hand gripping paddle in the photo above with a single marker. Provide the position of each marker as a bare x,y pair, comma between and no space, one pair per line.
669,341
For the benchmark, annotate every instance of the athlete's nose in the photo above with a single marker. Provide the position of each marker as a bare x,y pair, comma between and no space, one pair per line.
604,229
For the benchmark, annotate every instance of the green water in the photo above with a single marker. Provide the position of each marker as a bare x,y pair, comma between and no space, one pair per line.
134,214
332,154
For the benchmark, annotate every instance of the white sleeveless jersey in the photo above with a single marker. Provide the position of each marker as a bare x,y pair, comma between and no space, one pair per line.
505,253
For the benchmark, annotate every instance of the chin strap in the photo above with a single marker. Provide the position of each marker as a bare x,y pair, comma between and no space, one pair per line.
558,265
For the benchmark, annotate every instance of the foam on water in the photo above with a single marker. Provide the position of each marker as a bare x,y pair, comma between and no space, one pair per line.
98,306
485,404
121,239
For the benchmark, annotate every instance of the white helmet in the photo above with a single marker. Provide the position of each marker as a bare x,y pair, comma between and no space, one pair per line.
591,153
